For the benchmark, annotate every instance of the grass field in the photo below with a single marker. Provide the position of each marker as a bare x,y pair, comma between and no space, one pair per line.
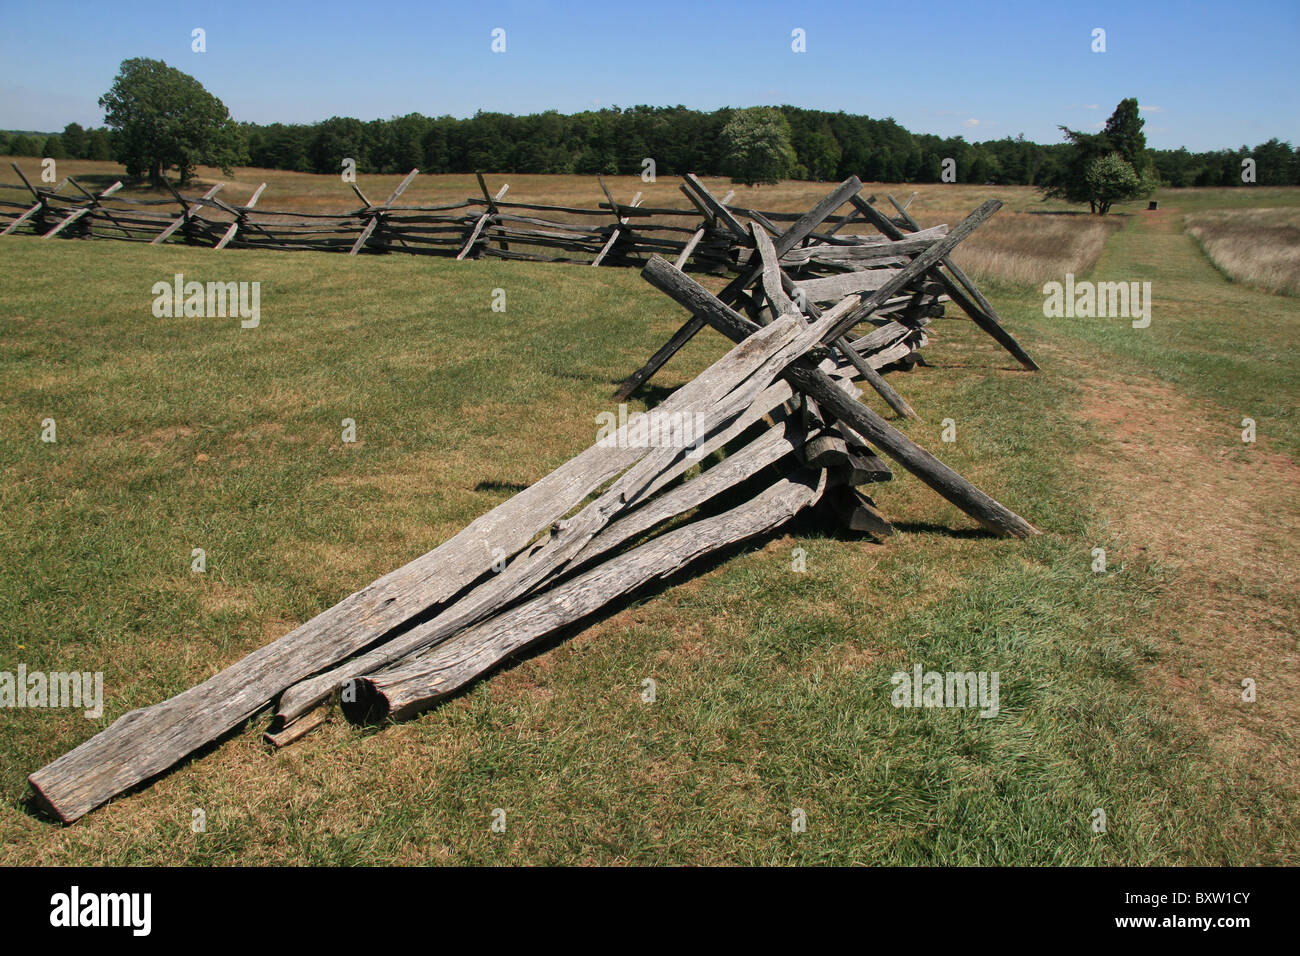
1257,246
1119,690
1030,241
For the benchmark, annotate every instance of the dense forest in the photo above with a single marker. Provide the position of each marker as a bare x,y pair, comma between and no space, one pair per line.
827,146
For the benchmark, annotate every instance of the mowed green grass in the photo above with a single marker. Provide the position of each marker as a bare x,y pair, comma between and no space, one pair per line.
773,687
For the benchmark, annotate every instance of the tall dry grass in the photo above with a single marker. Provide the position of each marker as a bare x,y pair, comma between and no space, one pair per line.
1260,247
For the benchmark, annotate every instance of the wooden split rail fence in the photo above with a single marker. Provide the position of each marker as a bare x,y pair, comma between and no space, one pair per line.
775,424
610,234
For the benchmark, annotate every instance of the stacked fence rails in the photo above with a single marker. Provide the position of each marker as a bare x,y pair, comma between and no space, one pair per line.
707,235
773,428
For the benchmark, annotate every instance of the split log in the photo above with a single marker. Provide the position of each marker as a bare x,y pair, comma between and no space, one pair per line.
726,418
826,450
986,320
145,742
865,467
240,217
775,444
819,386
186,213
857,512
804,225
417,684
77,214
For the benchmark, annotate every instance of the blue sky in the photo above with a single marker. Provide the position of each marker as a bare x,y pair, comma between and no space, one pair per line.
1208,75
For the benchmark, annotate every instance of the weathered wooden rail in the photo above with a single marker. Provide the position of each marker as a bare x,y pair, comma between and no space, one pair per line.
781,408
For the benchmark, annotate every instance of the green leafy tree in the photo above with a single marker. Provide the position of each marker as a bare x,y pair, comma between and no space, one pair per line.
162,118
54,148
74,140
756,146
99,144
1092,163
1273,163
1110,179
24,145
1124,133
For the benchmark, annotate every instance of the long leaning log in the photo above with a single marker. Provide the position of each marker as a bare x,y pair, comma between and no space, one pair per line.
420,682
821,387
146,742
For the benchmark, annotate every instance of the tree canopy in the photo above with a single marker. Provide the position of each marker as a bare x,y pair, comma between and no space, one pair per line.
756,146
162,118
1107,167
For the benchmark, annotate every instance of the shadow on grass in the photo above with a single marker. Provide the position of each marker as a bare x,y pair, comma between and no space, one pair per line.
1074,212
501,486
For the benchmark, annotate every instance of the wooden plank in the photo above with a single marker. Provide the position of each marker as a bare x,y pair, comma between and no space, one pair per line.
364,235
378,213
804,225
185,215
145,742
718,209
418,683
23,218
826,450
918,266
573,537
613,236
492,200
30,187
777,442
685,254
77,214
857,512
820,387
773,280
834,288
985,316
989,321
401,187
473,236
240,213
865,467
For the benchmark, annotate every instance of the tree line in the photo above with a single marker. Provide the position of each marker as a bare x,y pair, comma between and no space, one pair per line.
826,146
159,118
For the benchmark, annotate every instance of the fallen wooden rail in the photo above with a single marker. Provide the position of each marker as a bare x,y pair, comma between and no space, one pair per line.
778,415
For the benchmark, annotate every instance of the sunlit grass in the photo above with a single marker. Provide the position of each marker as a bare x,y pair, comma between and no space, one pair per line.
1256,246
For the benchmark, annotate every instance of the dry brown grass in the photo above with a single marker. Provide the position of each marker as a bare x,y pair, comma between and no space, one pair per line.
1260,247
1033,248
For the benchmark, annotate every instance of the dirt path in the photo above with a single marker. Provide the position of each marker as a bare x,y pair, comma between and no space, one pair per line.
1220,519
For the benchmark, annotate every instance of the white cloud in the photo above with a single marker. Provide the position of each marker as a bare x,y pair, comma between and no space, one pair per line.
1151,109
970,122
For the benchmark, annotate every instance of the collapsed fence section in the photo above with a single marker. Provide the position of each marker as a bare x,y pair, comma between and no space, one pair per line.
775,423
